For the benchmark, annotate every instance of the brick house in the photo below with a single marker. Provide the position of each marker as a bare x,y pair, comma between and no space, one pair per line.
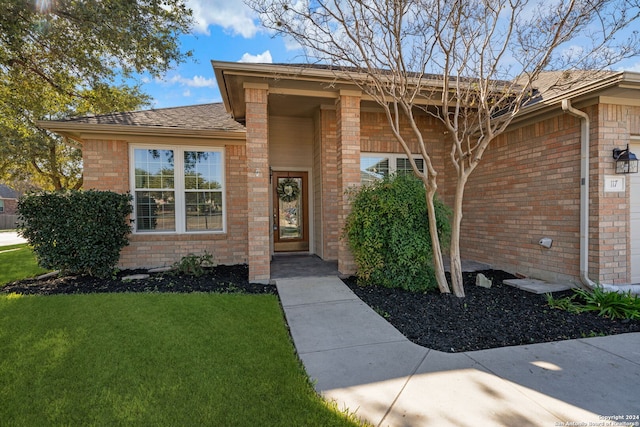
266,170
8,200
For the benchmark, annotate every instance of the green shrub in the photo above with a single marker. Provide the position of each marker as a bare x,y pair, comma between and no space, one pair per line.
193,265
388,233
613,305
79,232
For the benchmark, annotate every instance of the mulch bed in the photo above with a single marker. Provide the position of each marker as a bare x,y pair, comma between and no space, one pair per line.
486,318
220,279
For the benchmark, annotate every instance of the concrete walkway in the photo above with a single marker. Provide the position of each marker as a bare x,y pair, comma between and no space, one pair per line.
363,363
10,238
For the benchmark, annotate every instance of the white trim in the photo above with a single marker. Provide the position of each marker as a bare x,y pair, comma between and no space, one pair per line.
634,217
179,190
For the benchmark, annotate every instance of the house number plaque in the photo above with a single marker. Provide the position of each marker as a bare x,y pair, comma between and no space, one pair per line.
614,184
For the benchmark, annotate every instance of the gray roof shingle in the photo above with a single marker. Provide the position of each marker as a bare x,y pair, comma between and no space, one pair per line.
7,193
201,117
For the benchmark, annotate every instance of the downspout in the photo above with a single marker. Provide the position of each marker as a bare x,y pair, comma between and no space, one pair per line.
584,192
584,205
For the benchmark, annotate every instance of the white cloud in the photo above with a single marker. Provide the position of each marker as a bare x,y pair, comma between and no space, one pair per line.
186,93
195,81
232,15
291,44
264,57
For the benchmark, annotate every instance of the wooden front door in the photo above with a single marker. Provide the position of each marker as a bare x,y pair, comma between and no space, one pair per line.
290,212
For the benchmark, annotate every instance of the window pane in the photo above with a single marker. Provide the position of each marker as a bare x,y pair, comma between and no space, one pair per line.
203,170
203,210
153,168
155,211
373,168
403,165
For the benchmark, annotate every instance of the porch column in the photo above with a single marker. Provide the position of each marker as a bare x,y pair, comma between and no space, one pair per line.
257,182
348,151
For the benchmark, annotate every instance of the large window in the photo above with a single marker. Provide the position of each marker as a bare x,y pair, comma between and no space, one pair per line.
178,189
375,166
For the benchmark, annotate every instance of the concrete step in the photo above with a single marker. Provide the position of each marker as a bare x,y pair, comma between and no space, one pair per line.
537,286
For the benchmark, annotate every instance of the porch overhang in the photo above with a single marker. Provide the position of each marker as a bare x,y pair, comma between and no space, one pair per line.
311,86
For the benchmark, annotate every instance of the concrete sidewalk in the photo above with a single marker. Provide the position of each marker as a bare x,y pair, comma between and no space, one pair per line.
10,238
363,363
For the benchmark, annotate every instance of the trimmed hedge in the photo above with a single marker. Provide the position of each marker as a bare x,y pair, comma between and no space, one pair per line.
79,232
388,233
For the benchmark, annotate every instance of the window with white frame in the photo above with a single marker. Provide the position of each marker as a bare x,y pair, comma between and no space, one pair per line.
375,166
178,189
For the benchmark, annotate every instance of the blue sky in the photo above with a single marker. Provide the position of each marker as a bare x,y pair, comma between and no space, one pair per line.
227,30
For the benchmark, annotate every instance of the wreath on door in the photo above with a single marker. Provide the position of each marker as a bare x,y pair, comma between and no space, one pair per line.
288,190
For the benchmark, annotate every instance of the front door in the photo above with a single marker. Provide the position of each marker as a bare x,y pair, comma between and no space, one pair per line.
290,212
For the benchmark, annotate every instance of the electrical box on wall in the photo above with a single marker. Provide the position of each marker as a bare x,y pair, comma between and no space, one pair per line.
545,242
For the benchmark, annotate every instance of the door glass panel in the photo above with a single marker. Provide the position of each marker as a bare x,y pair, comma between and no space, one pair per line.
290,208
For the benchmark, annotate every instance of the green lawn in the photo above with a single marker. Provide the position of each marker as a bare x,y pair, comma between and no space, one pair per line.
17,262
152,360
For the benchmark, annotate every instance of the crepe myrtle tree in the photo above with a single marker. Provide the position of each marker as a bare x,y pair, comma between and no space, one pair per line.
471,64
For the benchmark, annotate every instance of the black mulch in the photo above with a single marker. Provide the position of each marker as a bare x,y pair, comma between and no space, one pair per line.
486,318
220,279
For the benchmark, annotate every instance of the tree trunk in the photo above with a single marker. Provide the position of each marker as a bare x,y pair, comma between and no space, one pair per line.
456,263
441,279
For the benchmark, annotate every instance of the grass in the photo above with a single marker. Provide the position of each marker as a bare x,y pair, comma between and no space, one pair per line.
17,262
153,359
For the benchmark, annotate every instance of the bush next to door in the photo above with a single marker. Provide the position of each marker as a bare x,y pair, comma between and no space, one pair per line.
388,233
76,231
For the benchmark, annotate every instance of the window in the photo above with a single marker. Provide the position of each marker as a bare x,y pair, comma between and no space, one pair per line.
1,205
178,189
375,166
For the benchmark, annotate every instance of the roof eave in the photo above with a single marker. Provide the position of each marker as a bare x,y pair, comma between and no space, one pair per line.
80,131
583,92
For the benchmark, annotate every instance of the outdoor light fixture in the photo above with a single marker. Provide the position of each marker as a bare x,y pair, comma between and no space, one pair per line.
626,161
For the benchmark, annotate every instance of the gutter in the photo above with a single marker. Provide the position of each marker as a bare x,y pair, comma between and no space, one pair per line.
75,131
584,192
584,205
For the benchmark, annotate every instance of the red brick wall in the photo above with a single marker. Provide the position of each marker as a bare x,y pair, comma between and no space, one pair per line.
259,251
531,176
610,245
106,167
375,136
527,187
348,164
326,165
10,207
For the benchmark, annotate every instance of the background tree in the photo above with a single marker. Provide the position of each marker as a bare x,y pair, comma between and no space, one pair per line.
472,64
64,58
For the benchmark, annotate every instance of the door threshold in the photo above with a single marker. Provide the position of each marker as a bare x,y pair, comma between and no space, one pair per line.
291,253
